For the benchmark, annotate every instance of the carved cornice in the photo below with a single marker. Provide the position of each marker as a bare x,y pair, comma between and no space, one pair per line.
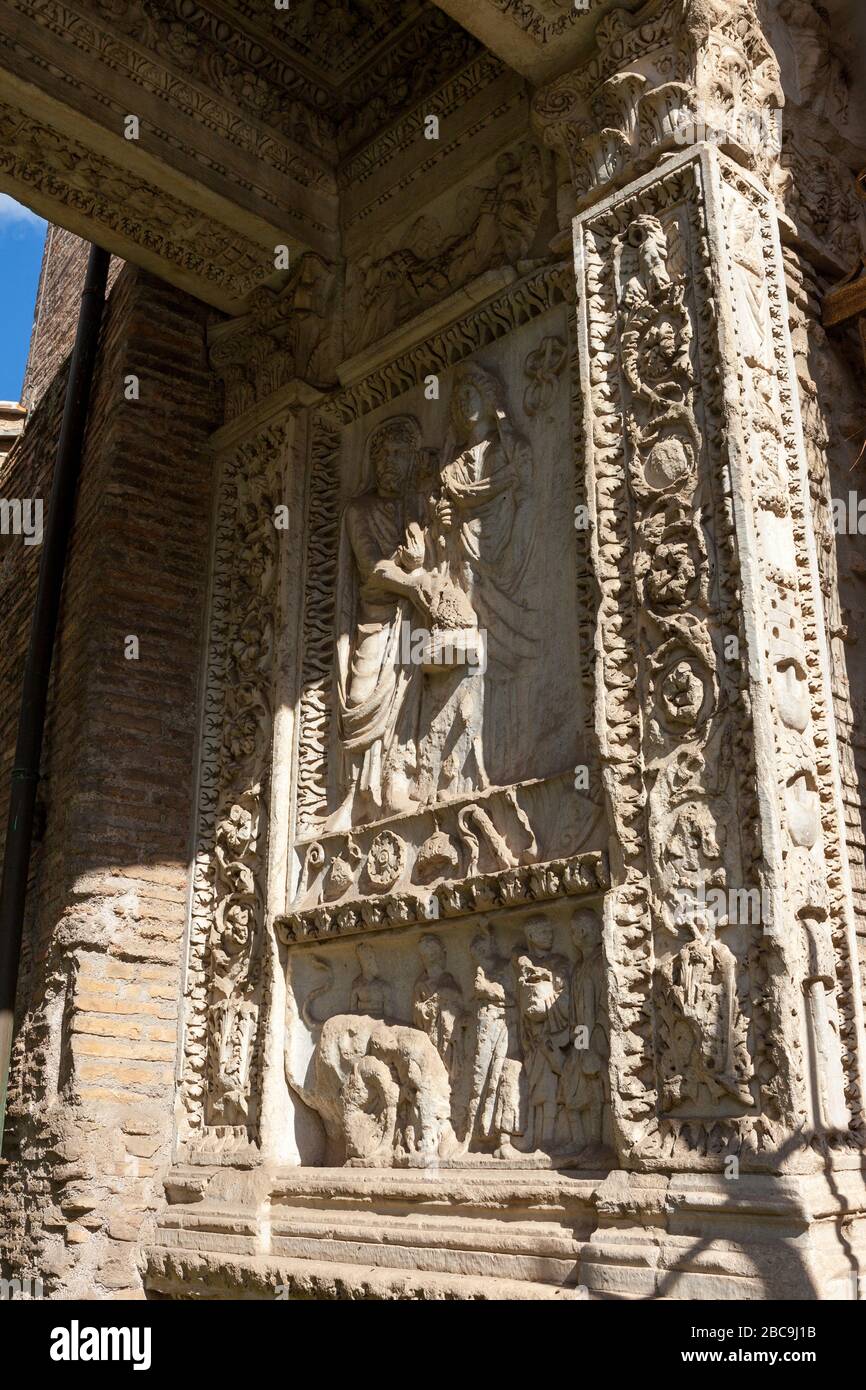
85,78
518,304
522,886
483,70
414,68
546,21
537,38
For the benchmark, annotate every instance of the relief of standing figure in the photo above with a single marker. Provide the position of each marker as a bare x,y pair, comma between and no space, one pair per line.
483,532
378,696
437,1006
544,1012
585,1082
494,1111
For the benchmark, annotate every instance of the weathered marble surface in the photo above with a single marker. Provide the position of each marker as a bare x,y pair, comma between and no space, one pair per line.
527,862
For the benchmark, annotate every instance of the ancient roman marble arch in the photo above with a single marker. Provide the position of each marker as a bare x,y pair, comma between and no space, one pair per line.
418,935
521,836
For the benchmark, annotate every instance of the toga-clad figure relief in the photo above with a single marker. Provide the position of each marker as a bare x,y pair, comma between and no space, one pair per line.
585,1077
544,1003
379,588
495,1099
434,613
437,1004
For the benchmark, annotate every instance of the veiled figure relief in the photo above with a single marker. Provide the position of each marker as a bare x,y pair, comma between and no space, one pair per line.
378,696
434,617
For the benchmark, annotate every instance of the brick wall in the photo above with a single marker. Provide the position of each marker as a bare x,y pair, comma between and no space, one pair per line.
90,1110
55,315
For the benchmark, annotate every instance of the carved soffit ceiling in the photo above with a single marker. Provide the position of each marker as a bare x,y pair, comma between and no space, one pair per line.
540,39
245,112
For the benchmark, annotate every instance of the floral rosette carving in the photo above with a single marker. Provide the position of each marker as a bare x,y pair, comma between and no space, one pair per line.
386,860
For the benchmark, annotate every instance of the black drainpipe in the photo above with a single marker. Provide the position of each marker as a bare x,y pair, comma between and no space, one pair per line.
37,668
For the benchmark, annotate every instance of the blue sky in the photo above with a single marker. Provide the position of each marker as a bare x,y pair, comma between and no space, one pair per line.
22,235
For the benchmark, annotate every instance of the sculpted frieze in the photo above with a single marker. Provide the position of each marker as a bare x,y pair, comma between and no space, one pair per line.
480,1044
493,223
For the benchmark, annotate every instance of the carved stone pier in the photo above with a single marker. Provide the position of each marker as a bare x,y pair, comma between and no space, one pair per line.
521,951
589,1002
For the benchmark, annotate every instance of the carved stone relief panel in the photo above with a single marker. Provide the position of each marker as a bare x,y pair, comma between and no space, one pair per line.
442,656
721,986
453,1044
441,762
674,709
501,215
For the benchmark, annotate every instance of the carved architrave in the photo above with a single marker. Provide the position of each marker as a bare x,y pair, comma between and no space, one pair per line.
708,967
140,217
221,1079
388,142
224,83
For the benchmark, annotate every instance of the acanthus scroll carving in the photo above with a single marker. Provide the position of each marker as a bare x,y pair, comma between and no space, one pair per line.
670,75
683,1035
222,1061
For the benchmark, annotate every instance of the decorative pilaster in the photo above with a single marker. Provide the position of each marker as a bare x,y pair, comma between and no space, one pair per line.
226,978
735,1014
